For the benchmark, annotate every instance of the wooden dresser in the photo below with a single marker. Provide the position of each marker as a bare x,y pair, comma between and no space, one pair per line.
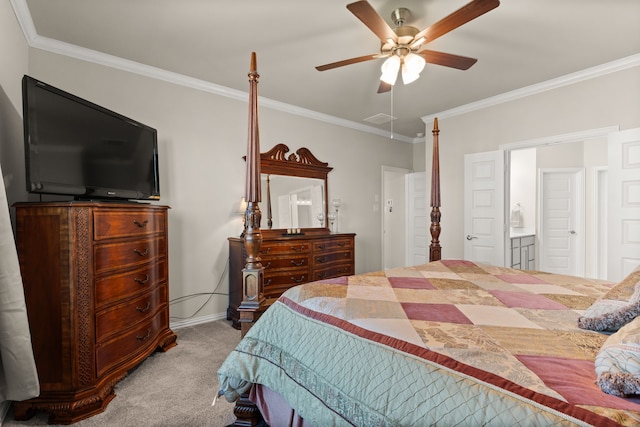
96,287
290,260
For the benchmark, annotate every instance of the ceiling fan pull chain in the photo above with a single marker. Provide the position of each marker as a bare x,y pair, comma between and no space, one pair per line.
392,118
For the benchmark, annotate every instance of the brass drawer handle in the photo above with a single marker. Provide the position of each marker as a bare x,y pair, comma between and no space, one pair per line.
142,281
321,259
267,250
144,338
342,244
322,275
268,282
145,308
141,224
268,265
300,264
300,280
297,249
321,247
142,253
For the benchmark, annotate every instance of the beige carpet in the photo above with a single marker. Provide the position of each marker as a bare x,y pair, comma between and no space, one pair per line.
168,389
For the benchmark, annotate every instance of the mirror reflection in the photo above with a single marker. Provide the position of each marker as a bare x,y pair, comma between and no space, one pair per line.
295,202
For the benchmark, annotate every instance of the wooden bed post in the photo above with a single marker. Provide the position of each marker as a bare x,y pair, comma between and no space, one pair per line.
252,305
253,274
435,251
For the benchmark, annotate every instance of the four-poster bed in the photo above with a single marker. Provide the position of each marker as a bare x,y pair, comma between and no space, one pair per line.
450,342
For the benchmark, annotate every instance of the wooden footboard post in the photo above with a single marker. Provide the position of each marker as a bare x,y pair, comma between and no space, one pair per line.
253,274
435,251
252,305
246,413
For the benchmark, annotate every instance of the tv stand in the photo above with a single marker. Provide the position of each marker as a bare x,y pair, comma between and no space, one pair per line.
96,287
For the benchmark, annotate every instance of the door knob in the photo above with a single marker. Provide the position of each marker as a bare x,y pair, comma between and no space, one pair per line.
470,237
572,232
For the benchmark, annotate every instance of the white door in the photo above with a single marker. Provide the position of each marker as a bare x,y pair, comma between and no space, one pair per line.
484,226
624,203
561,221
393,216
418,221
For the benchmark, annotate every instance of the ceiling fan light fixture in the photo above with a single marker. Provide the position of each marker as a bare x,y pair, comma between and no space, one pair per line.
412,66
390,68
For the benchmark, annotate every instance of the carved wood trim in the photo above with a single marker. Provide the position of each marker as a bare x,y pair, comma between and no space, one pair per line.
301,163
84,299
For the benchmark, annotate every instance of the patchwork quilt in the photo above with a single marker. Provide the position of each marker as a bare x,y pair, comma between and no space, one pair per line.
445,343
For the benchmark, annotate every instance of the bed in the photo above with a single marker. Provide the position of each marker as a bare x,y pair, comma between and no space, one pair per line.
450,342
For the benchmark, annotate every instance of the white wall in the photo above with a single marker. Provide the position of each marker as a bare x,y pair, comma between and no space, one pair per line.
600,102
14,57
523,187
202,138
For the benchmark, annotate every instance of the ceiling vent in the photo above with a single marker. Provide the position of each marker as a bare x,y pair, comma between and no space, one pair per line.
380,118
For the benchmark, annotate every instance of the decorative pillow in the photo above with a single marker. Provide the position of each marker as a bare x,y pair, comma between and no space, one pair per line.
618,362
616,308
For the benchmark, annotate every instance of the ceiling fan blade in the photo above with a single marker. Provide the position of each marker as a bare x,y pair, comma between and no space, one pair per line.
348,62
384,87
447,59
369,17
461,16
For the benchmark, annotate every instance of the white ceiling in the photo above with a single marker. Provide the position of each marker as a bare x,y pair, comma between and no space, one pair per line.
521,43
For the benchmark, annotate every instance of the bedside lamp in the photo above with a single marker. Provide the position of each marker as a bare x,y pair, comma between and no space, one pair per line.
336,204
242,207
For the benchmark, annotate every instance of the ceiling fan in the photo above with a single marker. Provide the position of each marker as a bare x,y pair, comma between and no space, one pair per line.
402,45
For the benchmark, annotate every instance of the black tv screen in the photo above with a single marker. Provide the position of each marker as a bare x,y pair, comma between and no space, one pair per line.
76,148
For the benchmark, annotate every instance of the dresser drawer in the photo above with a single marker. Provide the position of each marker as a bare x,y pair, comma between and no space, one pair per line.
113,320
333,271
135,341
115,287
281,248
273,292
527,241
271,263
332,245
109,224
329,257
108,256
289,278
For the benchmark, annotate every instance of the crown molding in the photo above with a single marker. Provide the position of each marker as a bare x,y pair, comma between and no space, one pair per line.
36,41
569,79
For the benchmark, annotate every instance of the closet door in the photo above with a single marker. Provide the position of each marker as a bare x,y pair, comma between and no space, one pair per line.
624,203
484,207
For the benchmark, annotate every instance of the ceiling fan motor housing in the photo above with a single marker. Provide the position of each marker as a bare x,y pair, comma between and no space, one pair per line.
403,47
400,16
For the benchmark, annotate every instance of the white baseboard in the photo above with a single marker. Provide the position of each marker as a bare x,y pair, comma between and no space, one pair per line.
196,321
4,409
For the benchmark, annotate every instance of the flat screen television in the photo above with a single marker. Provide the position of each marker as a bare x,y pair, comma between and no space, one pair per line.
74,147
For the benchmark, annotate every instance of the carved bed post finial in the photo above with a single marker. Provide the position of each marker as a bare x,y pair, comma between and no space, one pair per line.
253,273
435,251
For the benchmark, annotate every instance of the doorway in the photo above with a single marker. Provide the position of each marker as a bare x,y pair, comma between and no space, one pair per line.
394,229
585,150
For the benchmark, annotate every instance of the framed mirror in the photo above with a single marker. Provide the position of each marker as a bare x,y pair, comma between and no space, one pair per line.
294,190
